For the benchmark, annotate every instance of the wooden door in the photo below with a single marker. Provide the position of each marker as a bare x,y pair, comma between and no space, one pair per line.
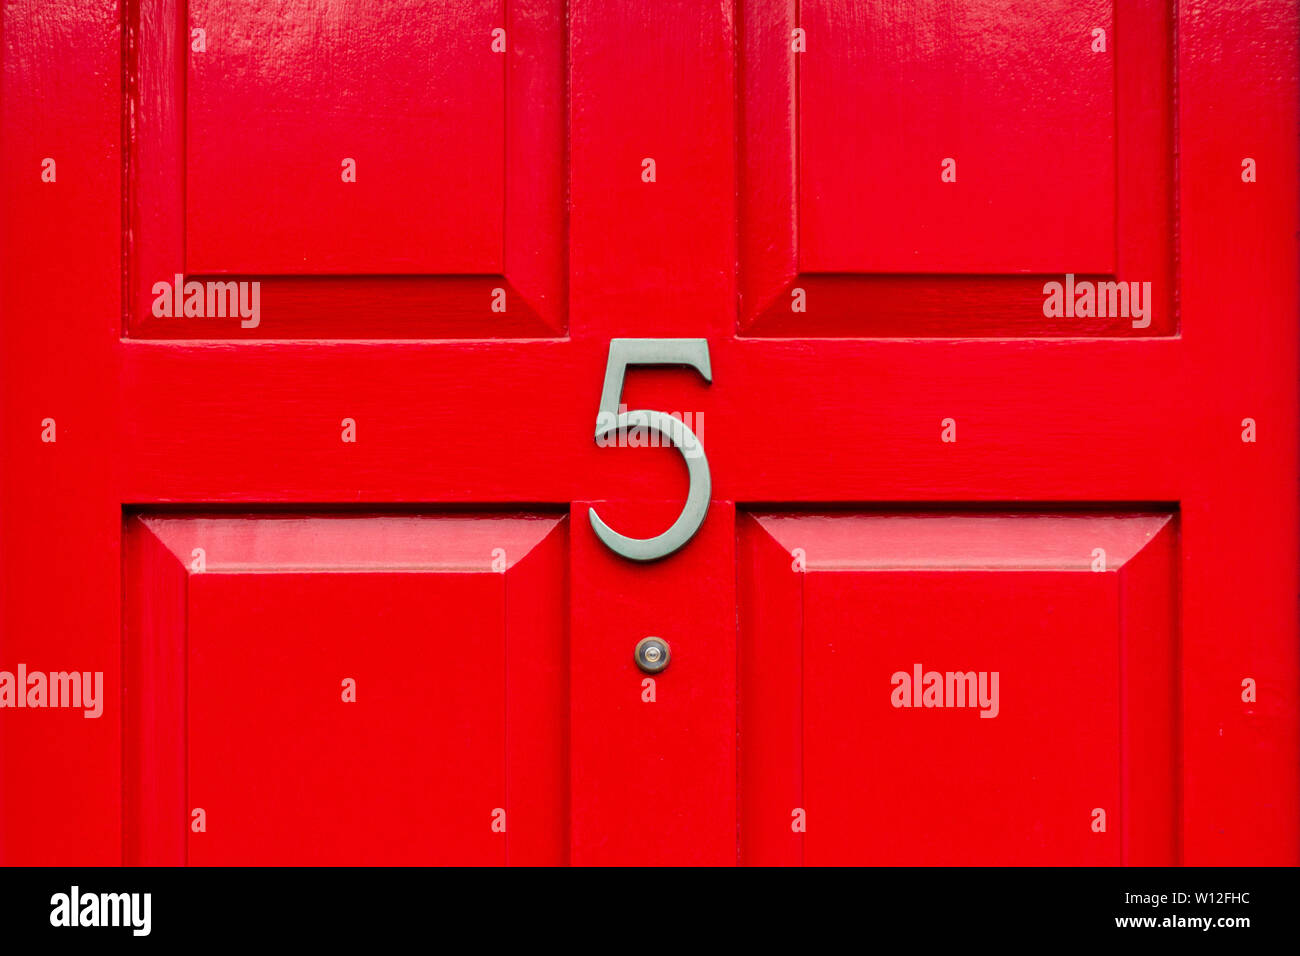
308,312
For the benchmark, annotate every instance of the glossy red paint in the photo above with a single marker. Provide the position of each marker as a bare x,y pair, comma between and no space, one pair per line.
454,195
887,106
475,427
284,676
1036,123
1062,704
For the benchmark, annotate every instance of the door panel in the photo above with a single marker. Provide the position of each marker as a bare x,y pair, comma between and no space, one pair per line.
298,774
976,688
450,221
1015,98
271,96
343,690
926,174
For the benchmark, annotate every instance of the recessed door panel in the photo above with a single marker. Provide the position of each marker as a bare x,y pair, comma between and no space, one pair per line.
928,172
346,138
984,134
994,688
374,171
339,690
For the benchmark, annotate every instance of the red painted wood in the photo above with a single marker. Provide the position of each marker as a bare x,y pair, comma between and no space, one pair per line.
653,782
1151,769
155,815
280,98
297,776
1084,710
458,710
1034,186
219,137
652,258
537,700
770,619
60,511
880,781
951,263
840,406
1238,97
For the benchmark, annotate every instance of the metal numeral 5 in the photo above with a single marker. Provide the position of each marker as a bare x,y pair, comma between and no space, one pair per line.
622,354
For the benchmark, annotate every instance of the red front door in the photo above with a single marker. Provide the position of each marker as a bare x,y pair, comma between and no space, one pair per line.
325,327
